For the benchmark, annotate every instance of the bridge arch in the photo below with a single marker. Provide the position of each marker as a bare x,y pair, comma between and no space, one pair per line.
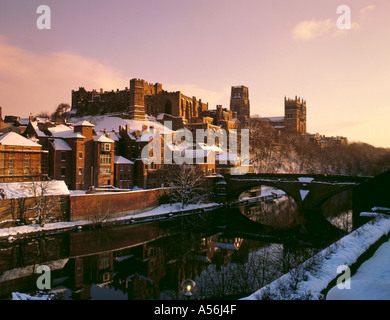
234,196
308,194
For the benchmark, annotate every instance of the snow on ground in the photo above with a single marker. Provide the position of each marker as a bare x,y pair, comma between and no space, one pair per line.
371,281
314,276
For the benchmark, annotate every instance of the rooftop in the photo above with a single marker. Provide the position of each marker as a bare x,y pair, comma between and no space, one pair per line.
14,139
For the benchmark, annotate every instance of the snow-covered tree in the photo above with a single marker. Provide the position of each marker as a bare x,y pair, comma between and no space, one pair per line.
186,184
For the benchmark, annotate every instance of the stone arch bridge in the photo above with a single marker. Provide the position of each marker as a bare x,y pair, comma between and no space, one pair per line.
309,191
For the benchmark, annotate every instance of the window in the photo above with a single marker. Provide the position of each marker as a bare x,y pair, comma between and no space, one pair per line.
63,156
11,163
105,159
27,163
105,170
80,155
80,171
63,172
106,147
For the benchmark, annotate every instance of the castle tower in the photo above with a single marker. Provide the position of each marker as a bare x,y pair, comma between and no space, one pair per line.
239,102
137,101
295,115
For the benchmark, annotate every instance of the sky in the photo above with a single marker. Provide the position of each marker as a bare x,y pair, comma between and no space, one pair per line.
276,48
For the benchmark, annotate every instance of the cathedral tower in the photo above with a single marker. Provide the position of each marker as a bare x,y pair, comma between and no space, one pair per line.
295,115
239,102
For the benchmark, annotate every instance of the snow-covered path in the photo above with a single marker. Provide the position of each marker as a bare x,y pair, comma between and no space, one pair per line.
313,277
371,281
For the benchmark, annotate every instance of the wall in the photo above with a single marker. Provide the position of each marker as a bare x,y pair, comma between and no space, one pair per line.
110,205
11,209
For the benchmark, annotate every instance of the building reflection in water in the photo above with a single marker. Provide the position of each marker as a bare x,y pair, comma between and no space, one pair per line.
149,261
127,262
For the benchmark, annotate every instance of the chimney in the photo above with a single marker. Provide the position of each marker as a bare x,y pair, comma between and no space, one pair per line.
144,128
1,115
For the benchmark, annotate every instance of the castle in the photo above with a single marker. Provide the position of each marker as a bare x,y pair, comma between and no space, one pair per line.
138,101
143,99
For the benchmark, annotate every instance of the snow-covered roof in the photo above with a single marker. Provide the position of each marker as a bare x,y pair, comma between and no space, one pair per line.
83,123
24,121
102,138
14,139
109,123
178,145
275,119
231,157
38,132
146,137
60,145
214,148
122,160
14,190
197,153
60,131
113,135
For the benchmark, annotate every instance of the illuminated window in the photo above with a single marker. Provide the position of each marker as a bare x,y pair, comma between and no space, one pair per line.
105,159
106,147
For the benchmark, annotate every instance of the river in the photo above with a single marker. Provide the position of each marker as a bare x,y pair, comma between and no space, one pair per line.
223,252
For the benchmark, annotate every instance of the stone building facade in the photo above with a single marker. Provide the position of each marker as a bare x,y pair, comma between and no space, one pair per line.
295,117
239,102
141,99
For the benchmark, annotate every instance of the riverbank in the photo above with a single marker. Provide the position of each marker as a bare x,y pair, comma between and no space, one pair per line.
165,211
316,277
161,212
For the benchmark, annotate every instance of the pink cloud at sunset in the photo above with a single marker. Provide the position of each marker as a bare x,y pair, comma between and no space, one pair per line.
30,82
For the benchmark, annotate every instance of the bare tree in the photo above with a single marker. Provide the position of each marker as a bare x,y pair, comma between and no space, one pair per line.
186,184
57,116
44,207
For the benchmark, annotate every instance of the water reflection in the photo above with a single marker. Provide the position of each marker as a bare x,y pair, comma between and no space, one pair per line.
150,261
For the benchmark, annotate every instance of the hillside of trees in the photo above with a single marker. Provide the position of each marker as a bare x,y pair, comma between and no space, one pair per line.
275,152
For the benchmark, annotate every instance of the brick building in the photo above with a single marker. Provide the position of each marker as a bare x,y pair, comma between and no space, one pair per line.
77,155
123,173
20,158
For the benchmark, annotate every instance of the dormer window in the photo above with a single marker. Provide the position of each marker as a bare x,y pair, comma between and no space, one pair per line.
106,147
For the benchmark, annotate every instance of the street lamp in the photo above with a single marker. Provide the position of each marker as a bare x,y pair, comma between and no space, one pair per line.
188,288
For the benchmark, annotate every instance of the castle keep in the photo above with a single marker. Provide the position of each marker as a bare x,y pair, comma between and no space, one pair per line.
141,99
